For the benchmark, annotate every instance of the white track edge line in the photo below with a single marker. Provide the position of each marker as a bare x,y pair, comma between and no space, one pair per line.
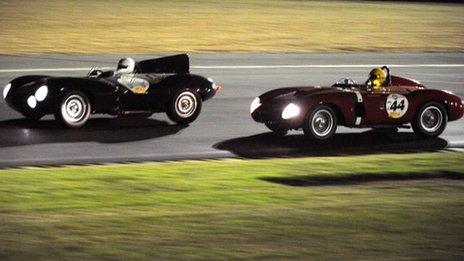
251,67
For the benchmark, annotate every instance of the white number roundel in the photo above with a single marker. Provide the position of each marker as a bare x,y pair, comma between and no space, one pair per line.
396,105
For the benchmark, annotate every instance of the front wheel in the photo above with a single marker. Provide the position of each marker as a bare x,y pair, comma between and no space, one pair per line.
320,123
74,109
430,121
184,106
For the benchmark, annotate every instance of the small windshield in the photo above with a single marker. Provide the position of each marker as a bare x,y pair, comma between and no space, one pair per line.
94,72
345,82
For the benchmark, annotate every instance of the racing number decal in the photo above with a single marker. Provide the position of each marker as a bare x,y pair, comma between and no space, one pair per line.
396,105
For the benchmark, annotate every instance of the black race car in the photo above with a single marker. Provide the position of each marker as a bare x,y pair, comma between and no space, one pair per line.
143,88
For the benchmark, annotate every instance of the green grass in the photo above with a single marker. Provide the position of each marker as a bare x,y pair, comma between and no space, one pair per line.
119,26
236,209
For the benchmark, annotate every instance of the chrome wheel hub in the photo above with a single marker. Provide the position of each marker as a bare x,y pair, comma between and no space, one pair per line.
186,104
74,108
322,123
431,119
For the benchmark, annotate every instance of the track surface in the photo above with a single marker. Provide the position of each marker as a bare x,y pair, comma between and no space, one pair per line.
224,128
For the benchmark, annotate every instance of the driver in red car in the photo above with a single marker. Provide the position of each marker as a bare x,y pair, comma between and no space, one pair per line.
377,79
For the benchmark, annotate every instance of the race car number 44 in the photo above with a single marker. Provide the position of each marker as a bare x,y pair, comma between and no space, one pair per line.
396,105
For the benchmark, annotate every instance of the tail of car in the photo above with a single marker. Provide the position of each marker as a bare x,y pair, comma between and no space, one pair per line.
169,64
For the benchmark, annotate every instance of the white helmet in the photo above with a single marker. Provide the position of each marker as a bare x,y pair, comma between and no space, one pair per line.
126,65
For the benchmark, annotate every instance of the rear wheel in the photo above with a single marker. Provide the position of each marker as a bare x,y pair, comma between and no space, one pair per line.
74,109
320,123
276,129
430,121
184,106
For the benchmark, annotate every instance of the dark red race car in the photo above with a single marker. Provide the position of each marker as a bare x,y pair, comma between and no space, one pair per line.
392,103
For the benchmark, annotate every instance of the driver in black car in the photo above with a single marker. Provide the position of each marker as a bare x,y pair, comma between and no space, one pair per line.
125,73
125,65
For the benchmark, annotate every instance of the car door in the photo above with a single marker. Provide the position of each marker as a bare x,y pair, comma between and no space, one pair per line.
385,106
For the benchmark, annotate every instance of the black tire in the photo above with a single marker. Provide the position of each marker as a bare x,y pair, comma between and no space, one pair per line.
326,121
73,109
430,120
184,106
276,129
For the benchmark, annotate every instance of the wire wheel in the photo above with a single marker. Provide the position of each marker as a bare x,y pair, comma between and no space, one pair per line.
431,119
320,123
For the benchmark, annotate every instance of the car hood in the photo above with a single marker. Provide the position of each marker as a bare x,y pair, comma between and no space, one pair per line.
23,84
296,92
316,90
276,100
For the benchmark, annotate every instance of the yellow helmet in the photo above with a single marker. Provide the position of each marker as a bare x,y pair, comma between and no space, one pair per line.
377,77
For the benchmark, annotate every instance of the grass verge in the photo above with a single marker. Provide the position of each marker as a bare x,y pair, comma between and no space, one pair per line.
232,209
96,26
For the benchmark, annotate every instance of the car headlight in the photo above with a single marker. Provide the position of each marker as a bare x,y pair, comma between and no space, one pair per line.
290,111
31,101
255,104
6,90
41,93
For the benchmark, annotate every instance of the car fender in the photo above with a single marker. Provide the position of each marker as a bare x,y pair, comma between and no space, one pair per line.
343,104
26,79
200,84
453,103
103,94
276,92
23,80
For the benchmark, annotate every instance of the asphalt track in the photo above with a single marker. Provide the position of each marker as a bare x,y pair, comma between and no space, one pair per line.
224,128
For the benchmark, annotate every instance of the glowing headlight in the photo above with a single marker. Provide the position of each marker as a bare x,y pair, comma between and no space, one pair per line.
6,90
255,104
31,101
41,93
290,111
